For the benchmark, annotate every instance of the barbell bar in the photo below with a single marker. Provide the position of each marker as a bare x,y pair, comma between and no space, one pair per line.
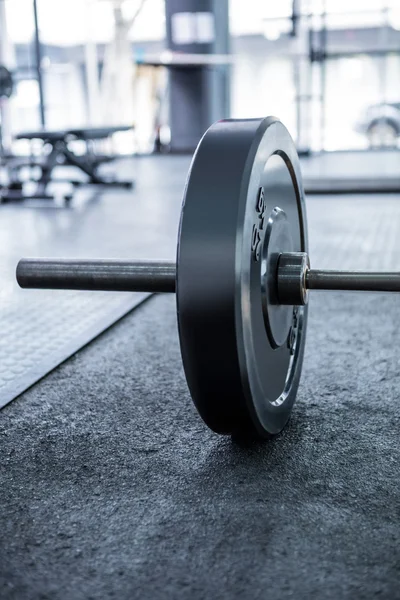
293,281
241,277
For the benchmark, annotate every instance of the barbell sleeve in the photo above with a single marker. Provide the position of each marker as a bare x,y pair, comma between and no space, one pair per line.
353,281
294,279
102,275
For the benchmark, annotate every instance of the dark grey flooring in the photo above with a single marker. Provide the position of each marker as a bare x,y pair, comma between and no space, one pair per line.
112,487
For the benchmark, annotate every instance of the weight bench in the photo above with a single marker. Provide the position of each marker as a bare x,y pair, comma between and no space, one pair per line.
60,154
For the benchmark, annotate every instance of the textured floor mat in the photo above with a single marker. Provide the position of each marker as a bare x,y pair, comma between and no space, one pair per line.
40,329
39,333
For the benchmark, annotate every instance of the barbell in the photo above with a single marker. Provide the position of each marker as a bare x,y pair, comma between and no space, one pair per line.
241,277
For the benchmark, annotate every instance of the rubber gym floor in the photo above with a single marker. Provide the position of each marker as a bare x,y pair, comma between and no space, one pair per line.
112,487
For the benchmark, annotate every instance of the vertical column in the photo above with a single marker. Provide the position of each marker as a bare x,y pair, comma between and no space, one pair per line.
198,90
38,54
91,66
7,58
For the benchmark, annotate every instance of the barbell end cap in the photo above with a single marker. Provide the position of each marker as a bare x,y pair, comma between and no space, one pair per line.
20,273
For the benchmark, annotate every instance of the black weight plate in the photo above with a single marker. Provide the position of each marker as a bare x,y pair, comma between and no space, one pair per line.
241,171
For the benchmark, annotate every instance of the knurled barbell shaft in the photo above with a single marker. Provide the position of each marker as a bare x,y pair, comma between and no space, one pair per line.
160,276
352,281
102,275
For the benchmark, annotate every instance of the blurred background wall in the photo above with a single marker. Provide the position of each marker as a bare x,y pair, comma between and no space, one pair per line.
330,69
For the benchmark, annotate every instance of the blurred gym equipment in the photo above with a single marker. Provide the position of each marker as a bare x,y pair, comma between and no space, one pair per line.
60,155
6,82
